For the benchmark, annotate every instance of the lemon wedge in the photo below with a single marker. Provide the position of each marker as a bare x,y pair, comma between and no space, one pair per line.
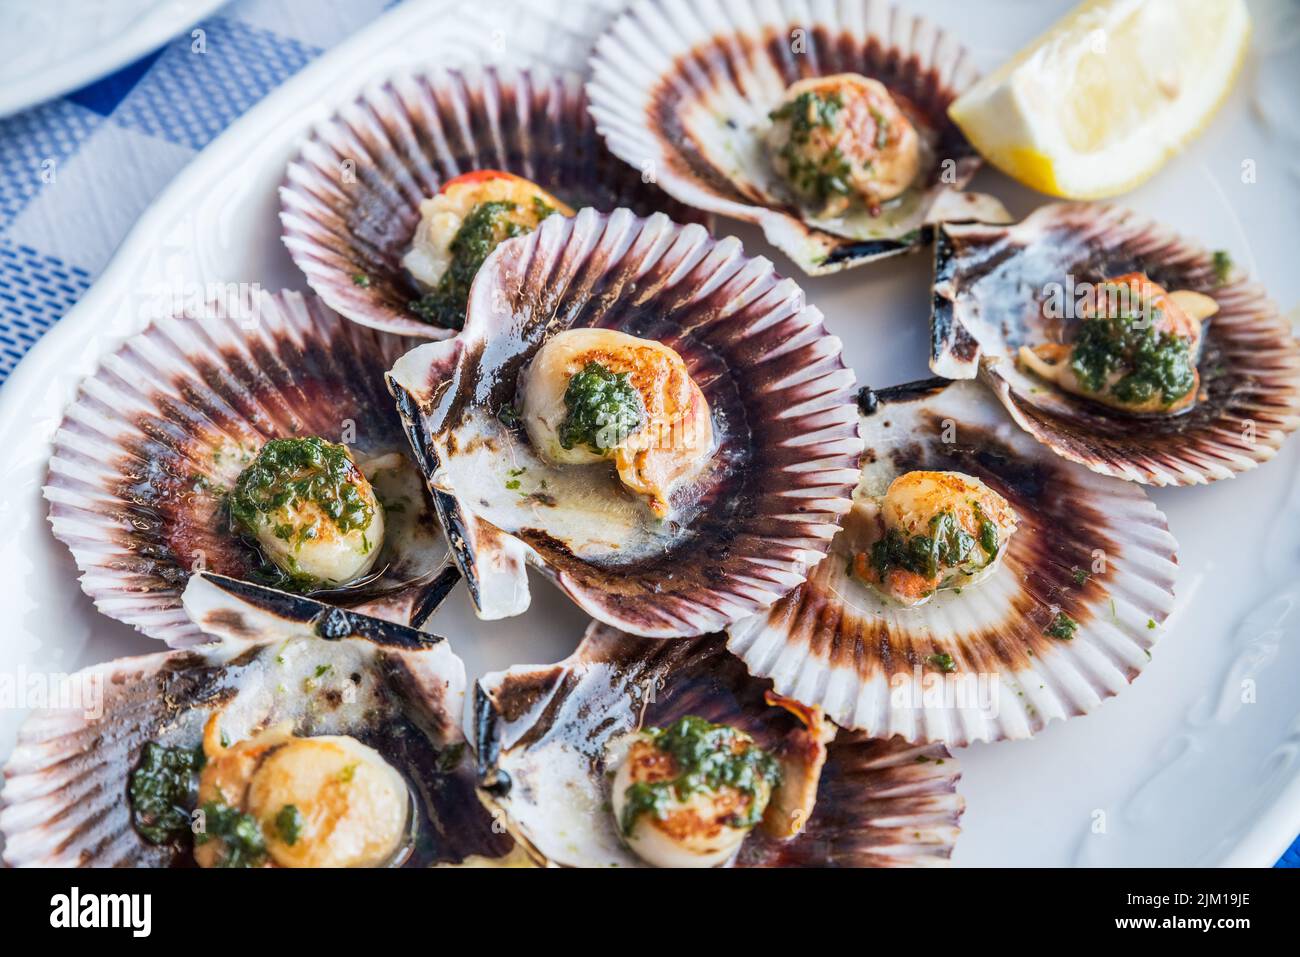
1100,102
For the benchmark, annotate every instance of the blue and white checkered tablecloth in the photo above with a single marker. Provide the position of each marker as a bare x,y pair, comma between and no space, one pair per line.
76,172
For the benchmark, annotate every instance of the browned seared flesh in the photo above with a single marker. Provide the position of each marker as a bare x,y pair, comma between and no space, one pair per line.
1134,349
840,139
929,530
600,394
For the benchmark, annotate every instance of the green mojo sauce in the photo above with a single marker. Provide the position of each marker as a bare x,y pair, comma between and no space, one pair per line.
943,661
486,227
1154,364
1062,627
947,545
1222,263
163,790
289,473
603,409
707,759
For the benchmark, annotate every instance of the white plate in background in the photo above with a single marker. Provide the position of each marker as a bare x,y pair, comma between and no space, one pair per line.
1178,770
49,47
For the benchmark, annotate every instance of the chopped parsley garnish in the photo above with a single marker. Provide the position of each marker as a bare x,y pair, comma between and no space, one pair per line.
943,661
988,532
1079,575
882,129
508,416
243,843
164,789
1062,627
707,757
361,279
815,178
1153,364
288,473
288,824
603,409
809,111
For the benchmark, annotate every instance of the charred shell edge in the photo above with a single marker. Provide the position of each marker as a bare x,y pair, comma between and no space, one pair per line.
400,140
641,48
323,621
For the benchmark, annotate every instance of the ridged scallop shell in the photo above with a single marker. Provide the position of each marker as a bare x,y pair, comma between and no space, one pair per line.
542,733
1088,546
747,529
350,201
991,282
684,90
158,433
398,690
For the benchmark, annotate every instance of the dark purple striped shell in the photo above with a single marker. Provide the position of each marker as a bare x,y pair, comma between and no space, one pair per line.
744,532
542,734
684,91
991,283
980,663
397,690
163,428
350,201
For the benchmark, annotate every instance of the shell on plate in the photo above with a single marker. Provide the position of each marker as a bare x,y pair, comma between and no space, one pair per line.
280,659
744,531
984,662
686,91
543,735
156,437
350,202
997,288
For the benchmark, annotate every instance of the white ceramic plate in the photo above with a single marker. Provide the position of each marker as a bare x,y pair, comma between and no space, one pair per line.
1178,770
52,46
